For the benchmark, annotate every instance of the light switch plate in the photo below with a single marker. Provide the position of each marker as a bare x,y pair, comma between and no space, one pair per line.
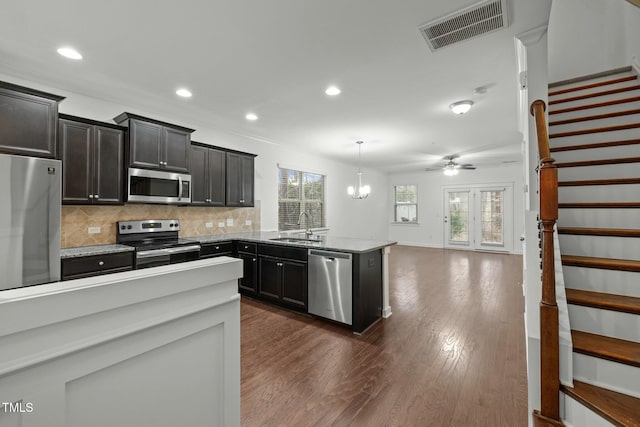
208,224
94,230
229,222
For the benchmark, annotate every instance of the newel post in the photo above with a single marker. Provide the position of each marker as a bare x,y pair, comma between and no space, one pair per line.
549,414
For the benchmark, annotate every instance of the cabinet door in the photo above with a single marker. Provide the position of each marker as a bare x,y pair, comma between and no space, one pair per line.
176,150
270,283
28,124
247,180
249,282
234,179
77,159
199,176
294,283
217,177
108,165
145,141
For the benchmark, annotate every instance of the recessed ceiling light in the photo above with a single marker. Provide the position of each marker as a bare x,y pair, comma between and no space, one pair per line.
461,107
251,116
185,93
333,91
69,52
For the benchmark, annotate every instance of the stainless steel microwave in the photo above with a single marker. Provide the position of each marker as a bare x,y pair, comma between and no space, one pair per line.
153,186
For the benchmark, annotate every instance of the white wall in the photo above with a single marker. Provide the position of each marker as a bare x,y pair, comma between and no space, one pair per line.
345,216
430,228
589,36
632,28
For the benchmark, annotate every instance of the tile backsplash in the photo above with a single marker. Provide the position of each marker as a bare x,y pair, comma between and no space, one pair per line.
77,221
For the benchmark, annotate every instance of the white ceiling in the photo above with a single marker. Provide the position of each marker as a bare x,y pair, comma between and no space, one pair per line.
276,58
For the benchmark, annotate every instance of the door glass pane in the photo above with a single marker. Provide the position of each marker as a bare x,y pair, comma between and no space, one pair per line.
491,211
459,217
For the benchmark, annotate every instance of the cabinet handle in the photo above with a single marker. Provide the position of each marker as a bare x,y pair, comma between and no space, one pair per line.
217,247
207,200
254,260
101,263
246,247
91,196
241,200
96,196
279,264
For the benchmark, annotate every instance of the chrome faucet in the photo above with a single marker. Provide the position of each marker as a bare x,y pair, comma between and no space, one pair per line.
308,231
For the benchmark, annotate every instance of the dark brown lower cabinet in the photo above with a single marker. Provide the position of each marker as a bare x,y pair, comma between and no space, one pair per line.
283,280
95,265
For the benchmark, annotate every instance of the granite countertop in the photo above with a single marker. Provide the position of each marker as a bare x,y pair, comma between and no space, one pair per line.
328,242
334,243
93,250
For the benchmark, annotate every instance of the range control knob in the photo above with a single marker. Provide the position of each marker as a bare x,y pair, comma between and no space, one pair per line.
129,227
122,227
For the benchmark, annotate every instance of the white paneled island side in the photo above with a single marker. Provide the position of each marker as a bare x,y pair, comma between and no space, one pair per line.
155,347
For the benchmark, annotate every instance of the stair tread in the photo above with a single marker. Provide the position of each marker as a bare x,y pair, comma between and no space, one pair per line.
621,303
616,181
595,117
613,232
619,409
595,105
595,145
601,263
613,349
595,94
599,162
592,85
599,205
606,73
595,130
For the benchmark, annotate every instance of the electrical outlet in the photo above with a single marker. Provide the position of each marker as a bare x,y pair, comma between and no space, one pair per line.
221,225
247,222
94,230
208,224
229,222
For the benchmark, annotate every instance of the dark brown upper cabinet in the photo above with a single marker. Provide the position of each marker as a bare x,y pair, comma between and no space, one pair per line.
208,169
28,121
92,156
240,179
153,144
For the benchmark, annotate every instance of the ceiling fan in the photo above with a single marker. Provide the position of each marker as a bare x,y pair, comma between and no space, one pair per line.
451,167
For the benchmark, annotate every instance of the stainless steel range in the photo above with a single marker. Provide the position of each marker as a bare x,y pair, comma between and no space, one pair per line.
156,242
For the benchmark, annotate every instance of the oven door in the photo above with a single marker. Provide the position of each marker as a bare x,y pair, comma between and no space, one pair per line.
151,186
157,257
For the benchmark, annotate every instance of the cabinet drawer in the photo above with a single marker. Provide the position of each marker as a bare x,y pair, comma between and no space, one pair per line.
283,252
96,264
247,247
208,250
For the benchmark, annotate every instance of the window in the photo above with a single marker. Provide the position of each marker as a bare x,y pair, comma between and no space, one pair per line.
300,192
405,203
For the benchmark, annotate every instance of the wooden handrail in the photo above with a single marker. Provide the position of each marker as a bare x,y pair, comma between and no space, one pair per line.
549,414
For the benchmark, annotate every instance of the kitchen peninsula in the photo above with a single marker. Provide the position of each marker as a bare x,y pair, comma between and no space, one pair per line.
282,269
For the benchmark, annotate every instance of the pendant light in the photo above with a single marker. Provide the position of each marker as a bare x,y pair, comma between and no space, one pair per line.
361,191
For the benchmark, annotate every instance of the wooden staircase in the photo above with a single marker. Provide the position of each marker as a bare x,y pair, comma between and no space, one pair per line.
594,135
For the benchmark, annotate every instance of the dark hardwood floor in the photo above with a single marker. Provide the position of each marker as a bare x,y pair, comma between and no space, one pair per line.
452,353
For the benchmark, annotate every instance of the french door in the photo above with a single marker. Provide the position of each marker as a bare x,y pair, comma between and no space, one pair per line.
478,217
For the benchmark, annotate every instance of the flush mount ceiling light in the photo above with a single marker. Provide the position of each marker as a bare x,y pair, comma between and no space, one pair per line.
69,52
461,107
251,116
185,93
360,191
333,91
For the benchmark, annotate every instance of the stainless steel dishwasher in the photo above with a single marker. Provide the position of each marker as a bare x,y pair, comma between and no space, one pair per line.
330,285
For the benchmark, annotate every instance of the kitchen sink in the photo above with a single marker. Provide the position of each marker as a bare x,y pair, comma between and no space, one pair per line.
295,240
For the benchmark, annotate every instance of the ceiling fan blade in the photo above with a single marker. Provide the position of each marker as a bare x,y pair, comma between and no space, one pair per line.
433,169
468,167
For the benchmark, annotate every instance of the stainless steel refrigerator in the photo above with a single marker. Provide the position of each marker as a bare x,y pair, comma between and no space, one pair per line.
29,221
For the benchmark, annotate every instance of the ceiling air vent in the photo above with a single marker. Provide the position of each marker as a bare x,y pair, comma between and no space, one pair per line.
480,18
